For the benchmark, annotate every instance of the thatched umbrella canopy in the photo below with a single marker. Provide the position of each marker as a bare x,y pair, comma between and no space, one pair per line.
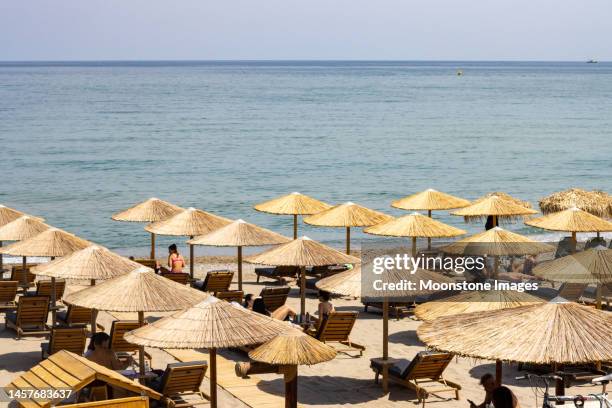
496,206
347,215
572,220
497,242
140,290
290,350
429,200
346,283
293,204
414,225
598,203
302,252
557,332
471,302
593,266
210,324
22,228
240,233
189,222
151,210
7,215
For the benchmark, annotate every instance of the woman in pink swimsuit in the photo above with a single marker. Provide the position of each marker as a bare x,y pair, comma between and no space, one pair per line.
176,262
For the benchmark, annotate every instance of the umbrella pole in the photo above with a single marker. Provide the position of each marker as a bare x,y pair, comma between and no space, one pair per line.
141,357
294,226
212,353
2,260
498,372
53,317
291,379
414,248
24,279
152,245
239,268
191,260
94,313
495,266
495,221
348,240
302,292
429,238
598,296
574,241
385,376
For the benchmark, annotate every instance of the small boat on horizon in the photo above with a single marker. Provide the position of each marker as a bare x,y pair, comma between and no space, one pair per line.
592,61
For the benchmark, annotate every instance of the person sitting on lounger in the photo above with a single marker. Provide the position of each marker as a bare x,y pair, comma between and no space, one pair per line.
176,262
488,383
503,397
248,301
325,306
99,352
282,313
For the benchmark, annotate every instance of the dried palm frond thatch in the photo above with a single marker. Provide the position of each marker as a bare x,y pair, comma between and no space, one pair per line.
555,332
8,214
572,220
151,210
240,233
414,225
346,283
52,242
189,222
22,228
430,199
596,202
93,262
347,215
497,204
293,348
293,204
497,242
592,266
302,252
471,302
140,290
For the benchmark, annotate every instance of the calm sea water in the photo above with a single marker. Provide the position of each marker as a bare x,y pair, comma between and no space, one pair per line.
80,141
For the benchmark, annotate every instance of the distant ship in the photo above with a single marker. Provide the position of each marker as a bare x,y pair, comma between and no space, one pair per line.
592,61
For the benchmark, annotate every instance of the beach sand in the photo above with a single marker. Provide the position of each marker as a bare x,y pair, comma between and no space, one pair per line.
342,381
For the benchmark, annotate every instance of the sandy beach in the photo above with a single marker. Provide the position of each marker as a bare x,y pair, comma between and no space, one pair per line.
346,380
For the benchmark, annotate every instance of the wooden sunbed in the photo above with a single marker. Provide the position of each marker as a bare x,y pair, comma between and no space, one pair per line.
277,273
151,263
180,384
572,291
8,292
397,309
71,339
44,288
423,374
182,278
130,402
77,316
336,328
17,274
118,344
30,317
216,281
274,297
230,296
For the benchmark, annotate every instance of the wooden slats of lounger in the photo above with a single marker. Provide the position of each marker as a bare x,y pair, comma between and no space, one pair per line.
131,402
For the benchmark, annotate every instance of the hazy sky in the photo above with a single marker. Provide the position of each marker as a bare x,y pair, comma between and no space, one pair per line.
307,29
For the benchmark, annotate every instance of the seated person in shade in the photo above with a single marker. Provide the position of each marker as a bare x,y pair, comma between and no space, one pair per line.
248,301
176,262
99,352
503,397
325,306
282,313
488,383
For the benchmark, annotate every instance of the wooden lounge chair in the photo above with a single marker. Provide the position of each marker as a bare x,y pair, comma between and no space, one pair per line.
30,317
8,291
181,382
230,296
71,339
277,273
274,297
423,374
118,344
216,281
572,291
396,309
151,263
182,278
336,328
129,402
17,274
44,287
76,316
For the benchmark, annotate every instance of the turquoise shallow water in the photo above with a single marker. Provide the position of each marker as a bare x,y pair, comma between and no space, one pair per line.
83,140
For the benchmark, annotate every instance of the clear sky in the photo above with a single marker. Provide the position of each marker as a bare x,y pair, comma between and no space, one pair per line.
306,29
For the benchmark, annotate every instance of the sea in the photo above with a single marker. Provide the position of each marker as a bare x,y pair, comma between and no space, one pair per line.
80,141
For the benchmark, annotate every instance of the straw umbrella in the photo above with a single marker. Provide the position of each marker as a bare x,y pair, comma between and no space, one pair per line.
572,220
414,225
210,324
598,203
293,204
429,200
289,350
240,234
593,266
346,283
91,264
7,215
495,205
347,215
557,332
150,210
302,252
189,222
497,242
472,302
403,294
140,290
